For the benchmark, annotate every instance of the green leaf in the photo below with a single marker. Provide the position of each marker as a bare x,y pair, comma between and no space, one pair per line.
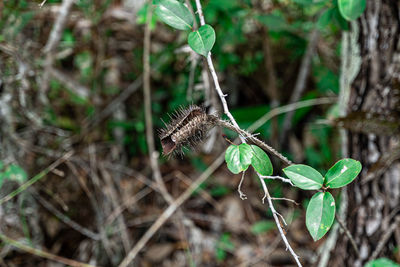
342,173
320,214
325,18
351,9
274,22
219,191
224,244
15,173
261,162
238,158
382,262
202,40
175,14
262,227
1,165
304,177
141,17
303,2
340,20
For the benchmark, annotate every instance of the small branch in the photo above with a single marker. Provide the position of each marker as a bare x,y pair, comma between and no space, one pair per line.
246,135
280,215
285,199
107,111
59,24
291,107
113,195
41,253
348,234
200,12
385,237
285,180
241,194
77,227
214,74
42,3
301,81
69,82
277,222
50,47
153,154
170,210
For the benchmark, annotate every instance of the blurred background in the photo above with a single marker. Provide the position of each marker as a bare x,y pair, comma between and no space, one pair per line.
73,119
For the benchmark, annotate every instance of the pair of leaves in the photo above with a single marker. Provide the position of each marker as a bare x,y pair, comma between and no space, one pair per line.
342,173
239,158
178,16
321,208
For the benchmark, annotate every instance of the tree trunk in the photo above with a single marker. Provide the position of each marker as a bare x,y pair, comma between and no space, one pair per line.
373,124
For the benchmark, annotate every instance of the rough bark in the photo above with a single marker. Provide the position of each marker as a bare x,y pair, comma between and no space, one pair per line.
374,108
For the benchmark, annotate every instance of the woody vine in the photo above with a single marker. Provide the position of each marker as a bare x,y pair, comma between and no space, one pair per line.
191,124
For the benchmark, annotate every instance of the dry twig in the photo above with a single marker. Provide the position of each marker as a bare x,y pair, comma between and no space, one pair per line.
301,81
74,225
170,210
153,154
37,177
395,225
348,234
41,253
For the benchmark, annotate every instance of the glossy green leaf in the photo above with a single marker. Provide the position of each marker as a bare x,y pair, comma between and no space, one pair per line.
352,9
382,262
238,158
342,173
340,21
202,40
16,173
175,14
261,162
304,177
320,214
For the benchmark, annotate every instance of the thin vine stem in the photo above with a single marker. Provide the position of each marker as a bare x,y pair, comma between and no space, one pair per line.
234,126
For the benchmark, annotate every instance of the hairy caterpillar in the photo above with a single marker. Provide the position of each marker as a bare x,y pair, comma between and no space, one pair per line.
187,128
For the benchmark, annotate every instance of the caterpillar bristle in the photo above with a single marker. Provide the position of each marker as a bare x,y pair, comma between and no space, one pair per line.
187,128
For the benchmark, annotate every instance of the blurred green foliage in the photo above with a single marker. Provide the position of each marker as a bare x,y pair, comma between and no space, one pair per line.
224,245
241,27
12,172
263,226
